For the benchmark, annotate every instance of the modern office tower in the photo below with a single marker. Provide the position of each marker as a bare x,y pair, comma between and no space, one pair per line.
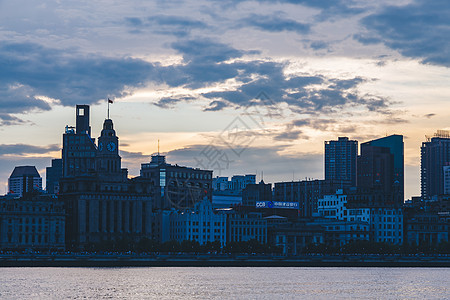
381,166
178,187
102,204
435,154
340,161
79,150
24,179
52,175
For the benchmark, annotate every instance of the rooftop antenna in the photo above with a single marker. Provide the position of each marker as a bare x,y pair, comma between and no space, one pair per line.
158,147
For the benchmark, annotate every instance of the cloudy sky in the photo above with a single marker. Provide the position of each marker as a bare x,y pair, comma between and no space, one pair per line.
234,86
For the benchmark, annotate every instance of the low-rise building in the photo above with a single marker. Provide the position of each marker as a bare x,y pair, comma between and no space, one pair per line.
242,227
199,224
34,222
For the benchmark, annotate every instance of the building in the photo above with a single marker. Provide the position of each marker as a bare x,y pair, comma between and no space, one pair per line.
306,193
24,179
381,165
386,225
52,175
338,233
427,228
242,227
253,193
199,224
220,183
176,186
294,237
335,207
435,155
446,170
79,152
340,161
102,204
239,182
33,222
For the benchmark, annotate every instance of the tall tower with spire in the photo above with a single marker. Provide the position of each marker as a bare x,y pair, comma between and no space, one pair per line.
108,159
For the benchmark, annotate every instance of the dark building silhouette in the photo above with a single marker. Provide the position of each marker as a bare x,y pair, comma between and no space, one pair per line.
35,221
176,186
435,154
340,161
305,192
79,151
381,169
253,193
24,179
53,175
103,206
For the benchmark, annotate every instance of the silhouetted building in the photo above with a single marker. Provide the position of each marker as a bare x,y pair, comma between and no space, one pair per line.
435,155
102,204
33,222
53,175
427,228
79,151
376,167
176,186
340,161
305,192
242,227
24,179
253,193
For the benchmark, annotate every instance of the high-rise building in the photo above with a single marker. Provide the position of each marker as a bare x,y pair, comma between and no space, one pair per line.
340,161
24,179
435,154
381,165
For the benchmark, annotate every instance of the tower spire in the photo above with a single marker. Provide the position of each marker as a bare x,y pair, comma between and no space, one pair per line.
158,147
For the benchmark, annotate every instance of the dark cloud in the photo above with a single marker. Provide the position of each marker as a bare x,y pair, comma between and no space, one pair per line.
329,9
216,105
428,116
275,23
21,149
416,30
28,71
290,135
178,26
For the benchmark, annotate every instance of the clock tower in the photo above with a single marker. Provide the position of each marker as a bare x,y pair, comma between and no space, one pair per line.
109,161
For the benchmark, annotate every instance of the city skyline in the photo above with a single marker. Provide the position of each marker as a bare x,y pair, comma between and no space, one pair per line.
188,73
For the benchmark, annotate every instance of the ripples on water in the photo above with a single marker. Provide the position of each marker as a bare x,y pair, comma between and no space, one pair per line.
225,283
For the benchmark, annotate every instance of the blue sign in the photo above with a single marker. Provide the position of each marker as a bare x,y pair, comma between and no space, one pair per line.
277,204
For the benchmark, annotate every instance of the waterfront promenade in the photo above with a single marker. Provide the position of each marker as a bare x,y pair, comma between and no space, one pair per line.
218,260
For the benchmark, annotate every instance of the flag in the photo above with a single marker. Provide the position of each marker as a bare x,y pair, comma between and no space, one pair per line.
110,101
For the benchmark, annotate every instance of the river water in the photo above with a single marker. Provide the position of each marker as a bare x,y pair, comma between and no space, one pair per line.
224,283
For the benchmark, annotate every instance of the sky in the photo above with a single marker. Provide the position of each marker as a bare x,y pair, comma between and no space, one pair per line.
237,87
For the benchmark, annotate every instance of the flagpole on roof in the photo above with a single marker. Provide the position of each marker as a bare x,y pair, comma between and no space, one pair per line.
109,101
